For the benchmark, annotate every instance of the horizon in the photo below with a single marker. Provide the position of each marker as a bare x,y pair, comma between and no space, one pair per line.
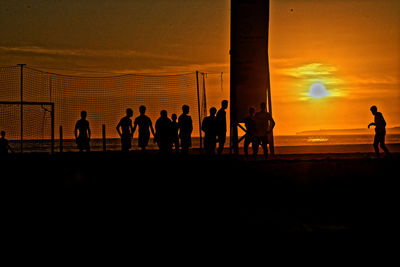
352,48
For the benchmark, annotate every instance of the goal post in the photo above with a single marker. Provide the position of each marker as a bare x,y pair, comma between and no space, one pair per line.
17,116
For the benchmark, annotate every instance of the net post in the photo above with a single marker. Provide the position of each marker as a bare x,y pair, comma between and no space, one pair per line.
103,130
22,105
52,128
198,105
61,139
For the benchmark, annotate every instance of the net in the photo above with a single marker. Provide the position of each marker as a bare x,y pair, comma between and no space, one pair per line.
104,98
36,125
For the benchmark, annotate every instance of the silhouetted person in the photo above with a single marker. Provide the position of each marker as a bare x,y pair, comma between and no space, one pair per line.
185,125
145,126
250,123
221,126
124,129
82,133
380,131
163,133
209,127
174,133
4,146
264,125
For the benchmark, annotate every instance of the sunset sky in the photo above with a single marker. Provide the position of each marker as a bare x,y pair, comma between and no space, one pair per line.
352,48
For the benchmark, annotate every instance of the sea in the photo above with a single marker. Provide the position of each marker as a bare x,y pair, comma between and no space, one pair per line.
284,144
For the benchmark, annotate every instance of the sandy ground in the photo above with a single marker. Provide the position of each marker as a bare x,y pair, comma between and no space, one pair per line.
147,194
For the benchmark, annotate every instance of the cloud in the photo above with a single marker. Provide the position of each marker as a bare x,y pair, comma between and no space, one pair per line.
37,50
309,70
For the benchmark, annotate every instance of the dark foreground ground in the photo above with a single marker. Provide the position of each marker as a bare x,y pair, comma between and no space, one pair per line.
111,193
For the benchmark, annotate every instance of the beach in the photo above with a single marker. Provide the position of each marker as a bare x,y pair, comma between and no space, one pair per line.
110,191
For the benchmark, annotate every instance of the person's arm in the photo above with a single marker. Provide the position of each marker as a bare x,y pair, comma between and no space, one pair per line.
135,124
371,124
191,125
152,129
204,125
130,128
76,131
118,126
89,131
155,139
272,125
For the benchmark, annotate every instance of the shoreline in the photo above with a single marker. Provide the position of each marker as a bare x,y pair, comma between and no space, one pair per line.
347,150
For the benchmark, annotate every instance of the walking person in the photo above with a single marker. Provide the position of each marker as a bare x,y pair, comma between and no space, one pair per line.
264,125
82,133
145,126
163,133
250,124
221,126
174,133
124,129
380,131
185,125
209,127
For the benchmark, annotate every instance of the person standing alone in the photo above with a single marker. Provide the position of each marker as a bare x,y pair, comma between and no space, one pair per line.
145,126
221,126
264,126
124,129
83,138
185,126
380,131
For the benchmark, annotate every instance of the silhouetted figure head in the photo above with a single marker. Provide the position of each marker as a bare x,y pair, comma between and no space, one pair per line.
252,110
224,104
3,134
174,117
374,110
129,112
142,110
83,114
263,106
213,111
164,113
185,109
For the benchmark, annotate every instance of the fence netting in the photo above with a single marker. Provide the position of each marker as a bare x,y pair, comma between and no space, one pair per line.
104,98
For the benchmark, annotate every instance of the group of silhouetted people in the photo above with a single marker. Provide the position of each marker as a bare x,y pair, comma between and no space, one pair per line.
172,134
214,128
167,133
259,126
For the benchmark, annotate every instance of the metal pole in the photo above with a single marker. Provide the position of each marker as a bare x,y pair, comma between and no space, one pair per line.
52,129
22,105
269,98
104,137
61,138
198,105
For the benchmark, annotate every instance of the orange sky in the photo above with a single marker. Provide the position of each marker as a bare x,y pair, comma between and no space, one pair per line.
351,47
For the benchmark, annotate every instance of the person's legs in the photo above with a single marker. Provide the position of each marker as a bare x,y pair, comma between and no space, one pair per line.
383,145
265,146
376,145
246,146
221,143
256,144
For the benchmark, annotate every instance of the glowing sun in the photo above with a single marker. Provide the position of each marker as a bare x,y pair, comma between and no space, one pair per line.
318,90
